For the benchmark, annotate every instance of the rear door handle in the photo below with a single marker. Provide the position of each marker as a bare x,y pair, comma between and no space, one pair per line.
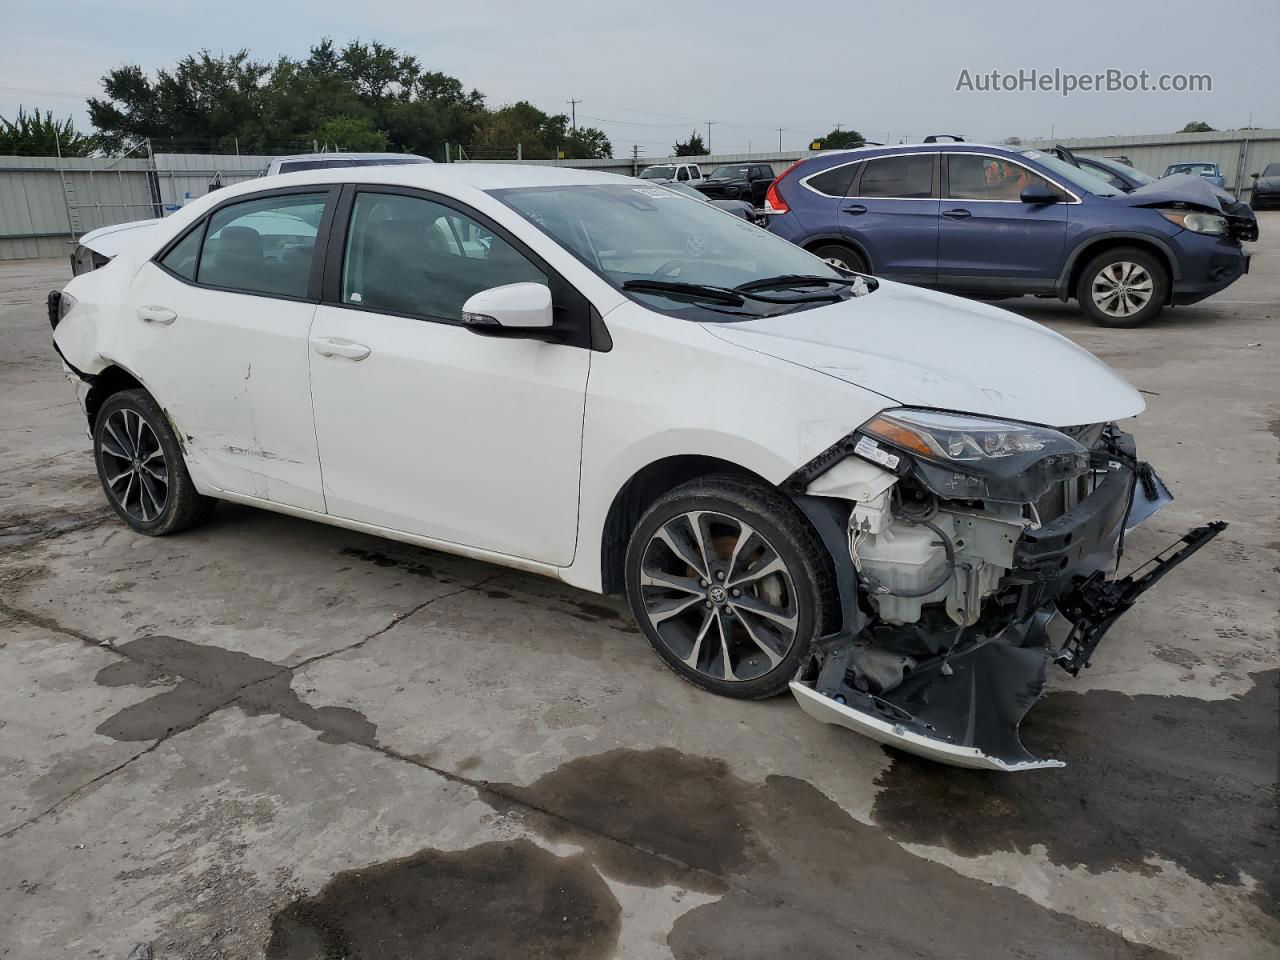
855,208
338,347
162,315
958,214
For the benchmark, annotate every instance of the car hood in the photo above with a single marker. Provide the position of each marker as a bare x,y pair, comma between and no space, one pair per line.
1267,183
1179,188
924,349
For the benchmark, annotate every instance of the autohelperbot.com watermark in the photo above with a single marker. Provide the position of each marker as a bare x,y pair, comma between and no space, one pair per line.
1065,82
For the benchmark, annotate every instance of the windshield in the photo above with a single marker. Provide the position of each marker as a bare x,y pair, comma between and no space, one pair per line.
1272,170
630,234
1123,169
734,172
659,173
1081,179
1196,169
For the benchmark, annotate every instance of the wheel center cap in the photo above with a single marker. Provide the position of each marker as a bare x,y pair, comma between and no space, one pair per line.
717,594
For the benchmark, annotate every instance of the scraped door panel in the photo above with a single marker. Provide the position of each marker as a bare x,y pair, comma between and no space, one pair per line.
230,370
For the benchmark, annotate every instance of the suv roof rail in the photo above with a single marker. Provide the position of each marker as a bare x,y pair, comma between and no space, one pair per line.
935,137
854,144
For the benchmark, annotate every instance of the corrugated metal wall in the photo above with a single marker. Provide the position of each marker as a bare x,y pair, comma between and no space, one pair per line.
46,202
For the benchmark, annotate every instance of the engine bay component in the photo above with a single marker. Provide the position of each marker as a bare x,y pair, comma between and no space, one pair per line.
945,644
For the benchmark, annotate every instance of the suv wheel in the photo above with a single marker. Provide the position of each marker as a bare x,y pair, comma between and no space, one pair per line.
730,585
1123,287
841,257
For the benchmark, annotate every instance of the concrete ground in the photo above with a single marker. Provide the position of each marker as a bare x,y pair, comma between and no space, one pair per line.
271,737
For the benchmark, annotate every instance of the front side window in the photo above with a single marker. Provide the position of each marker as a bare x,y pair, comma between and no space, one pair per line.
418,257
263,246
974,177
1069,173
182,258
904,178
684,174
695,173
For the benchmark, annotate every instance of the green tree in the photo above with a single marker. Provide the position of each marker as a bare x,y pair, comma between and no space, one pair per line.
693,147
351,133
205,102
838,138
36,135
1197,126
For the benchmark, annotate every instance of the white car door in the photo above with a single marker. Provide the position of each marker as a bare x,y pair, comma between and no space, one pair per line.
220,340
424,426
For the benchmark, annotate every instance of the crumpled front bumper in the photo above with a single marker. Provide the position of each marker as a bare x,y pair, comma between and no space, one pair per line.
964,708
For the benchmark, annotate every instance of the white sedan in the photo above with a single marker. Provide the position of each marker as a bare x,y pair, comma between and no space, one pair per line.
869,493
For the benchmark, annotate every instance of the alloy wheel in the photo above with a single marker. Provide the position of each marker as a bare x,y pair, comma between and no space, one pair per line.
133,465
1122,289
719,596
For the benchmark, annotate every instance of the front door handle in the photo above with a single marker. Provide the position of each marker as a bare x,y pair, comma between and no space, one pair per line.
161,315
855,209
338,347
958,214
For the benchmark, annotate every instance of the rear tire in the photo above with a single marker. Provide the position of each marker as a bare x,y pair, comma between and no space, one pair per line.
841,257
1123,287
141,467
750,585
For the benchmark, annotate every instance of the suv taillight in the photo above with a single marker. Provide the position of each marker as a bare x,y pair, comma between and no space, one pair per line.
773,202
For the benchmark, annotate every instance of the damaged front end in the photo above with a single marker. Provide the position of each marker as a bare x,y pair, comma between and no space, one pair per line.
956,541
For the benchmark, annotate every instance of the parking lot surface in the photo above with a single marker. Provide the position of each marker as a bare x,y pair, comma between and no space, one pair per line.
269,737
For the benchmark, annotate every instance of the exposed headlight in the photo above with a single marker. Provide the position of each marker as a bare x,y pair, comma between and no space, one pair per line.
1209,223
973,457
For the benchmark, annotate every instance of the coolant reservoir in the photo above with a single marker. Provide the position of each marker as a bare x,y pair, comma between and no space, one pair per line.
905,558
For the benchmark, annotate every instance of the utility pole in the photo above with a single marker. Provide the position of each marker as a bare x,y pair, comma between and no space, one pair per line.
635,159
709,123
779,139
573,113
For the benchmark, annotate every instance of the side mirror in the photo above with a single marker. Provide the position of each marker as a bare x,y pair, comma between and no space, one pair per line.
1038,193
512,310
1254,175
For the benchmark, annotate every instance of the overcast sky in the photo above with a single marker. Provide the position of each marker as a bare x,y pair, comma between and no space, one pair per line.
651,72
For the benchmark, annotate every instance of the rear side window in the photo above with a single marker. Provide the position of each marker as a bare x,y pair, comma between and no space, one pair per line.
263,246
908,178
295,166
414,256
834,182
182,258
971,177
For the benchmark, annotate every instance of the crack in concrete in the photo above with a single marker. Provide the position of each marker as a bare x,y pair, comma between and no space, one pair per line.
230,696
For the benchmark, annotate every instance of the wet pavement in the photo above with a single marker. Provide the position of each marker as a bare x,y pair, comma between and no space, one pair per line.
272,738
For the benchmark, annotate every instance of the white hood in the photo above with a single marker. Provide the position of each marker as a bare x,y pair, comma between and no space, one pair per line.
925,349
110,241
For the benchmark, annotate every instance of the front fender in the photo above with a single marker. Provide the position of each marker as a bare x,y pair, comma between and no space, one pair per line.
1092,240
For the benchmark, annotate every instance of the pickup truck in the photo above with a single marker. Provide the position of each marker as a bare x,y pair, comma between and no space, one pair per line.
679,172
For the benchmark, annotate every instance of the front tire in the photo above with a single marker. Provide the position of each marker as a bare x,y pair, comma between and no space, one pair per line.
1123,287
730,585
140,465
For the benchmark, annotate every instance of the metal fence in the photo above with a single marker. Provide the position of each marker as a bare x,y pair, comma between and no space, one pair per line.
45,202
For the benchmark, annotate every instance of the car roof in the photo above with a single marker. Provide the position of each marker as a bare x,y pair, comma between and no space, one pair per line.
427,176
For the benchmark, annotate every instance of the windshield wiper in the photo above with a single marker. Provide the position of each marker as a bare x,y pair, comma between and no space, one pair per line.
718,294
794,280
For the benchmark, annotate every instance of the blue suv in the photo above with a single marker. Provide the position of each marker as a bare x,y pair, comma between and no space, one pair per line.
997,222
